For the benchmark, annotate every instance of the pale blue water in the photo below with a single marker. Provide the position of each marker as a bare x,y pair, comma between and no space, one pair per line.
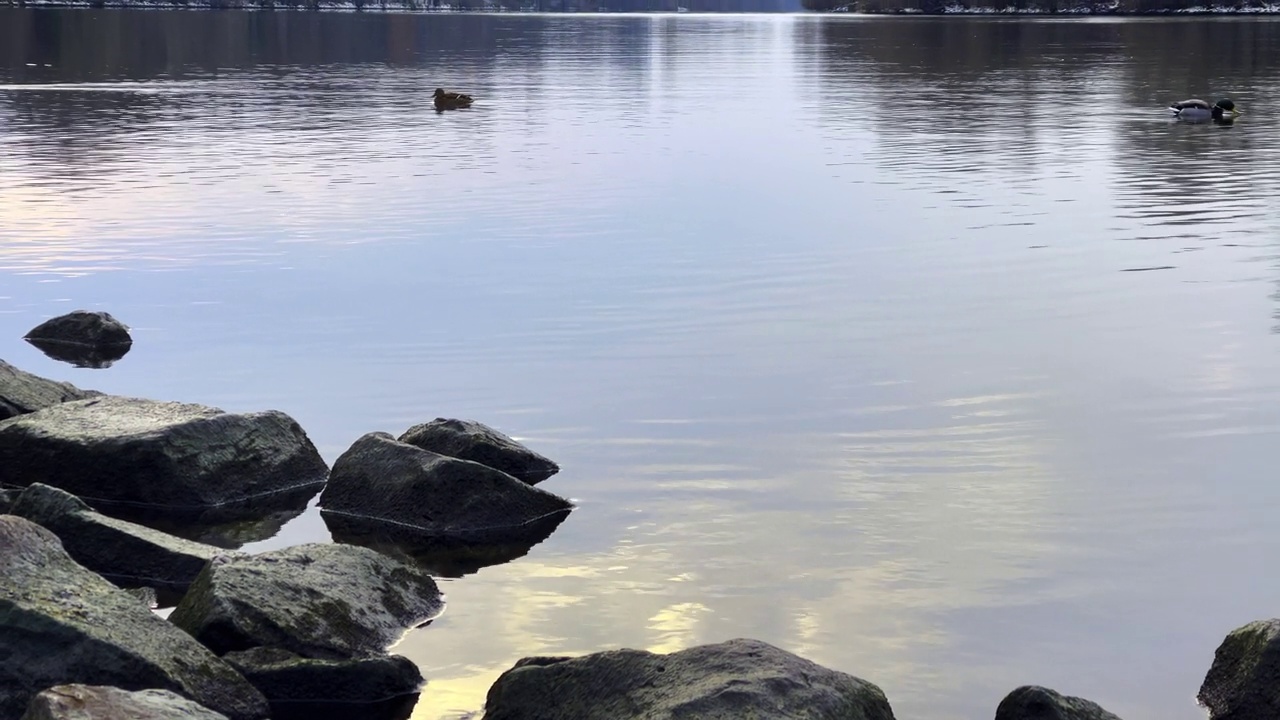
825,319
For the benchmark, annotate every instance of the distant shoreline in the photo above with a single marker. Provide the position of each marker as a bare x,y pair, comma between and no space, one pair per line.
1065,12
373,6
411,6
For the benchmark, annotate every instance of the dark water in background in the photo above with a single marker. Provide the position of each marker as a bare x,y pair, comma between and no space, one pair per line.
826,319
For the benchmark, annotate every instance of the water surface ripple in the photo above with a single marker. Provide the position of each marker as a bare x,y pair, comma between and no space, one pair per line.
932,350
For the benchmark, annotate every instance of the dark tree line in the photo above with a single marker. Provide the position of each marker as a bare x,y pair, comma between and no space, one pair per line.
1097,7
451,5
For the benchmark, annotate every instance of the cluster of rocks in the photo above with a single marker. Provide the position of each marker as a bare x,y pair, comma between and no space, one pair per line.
451,495
751,679
254,635
109,505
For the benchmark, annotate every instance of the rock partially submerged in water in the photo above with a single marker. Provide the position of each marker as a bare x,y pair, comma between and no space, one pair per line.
129,450
129,555
64,624
1244,681
477,442
727,681
1031,702
97,702
380,477
286,678
82,327
329,602
22,393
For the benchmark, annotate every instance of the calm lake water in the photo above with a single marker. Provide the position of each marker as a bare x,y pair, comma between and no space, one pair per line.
929,349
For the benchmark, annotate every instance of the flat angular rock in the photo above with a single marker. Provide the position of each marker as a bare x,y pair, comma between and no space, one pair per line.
727,681
477,442
129,555
318,601
82,327
287,678
95,702
1244,681
143,452
22,393
380,477
1031,702
49,604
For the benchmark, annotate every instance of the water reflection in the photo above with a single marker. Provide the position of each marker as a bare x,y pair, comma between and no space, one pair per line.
824,318
397,708
448,557
995,132
229,526
81,355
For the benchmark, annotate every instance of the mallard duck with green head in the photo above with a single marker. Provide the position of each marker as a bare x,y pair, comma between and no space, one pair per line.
1195,109
451,100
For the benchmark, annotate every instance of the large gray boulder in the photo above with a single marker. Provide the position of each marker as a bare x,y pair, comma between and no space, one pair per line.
82,327
1244,681
728,681
22,393
477,442
143,452
1031,702
129,555
95,702
328,602
286,678
380,477
62,624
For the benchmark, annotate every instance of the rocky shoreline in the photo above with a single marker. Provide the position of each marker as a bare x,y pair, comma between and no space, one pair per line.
89,483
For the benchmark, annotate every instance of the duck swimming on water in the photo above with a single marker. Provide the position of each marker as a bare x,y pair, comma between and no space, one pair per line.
1195,109
451,100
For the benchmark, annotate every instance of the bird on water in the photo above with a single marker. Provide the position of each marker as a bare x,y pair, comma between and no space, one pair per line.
451,100
1195,109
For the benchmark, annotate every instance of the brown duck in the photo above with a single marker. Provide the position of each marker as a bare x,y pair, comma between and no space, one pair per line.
451,100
